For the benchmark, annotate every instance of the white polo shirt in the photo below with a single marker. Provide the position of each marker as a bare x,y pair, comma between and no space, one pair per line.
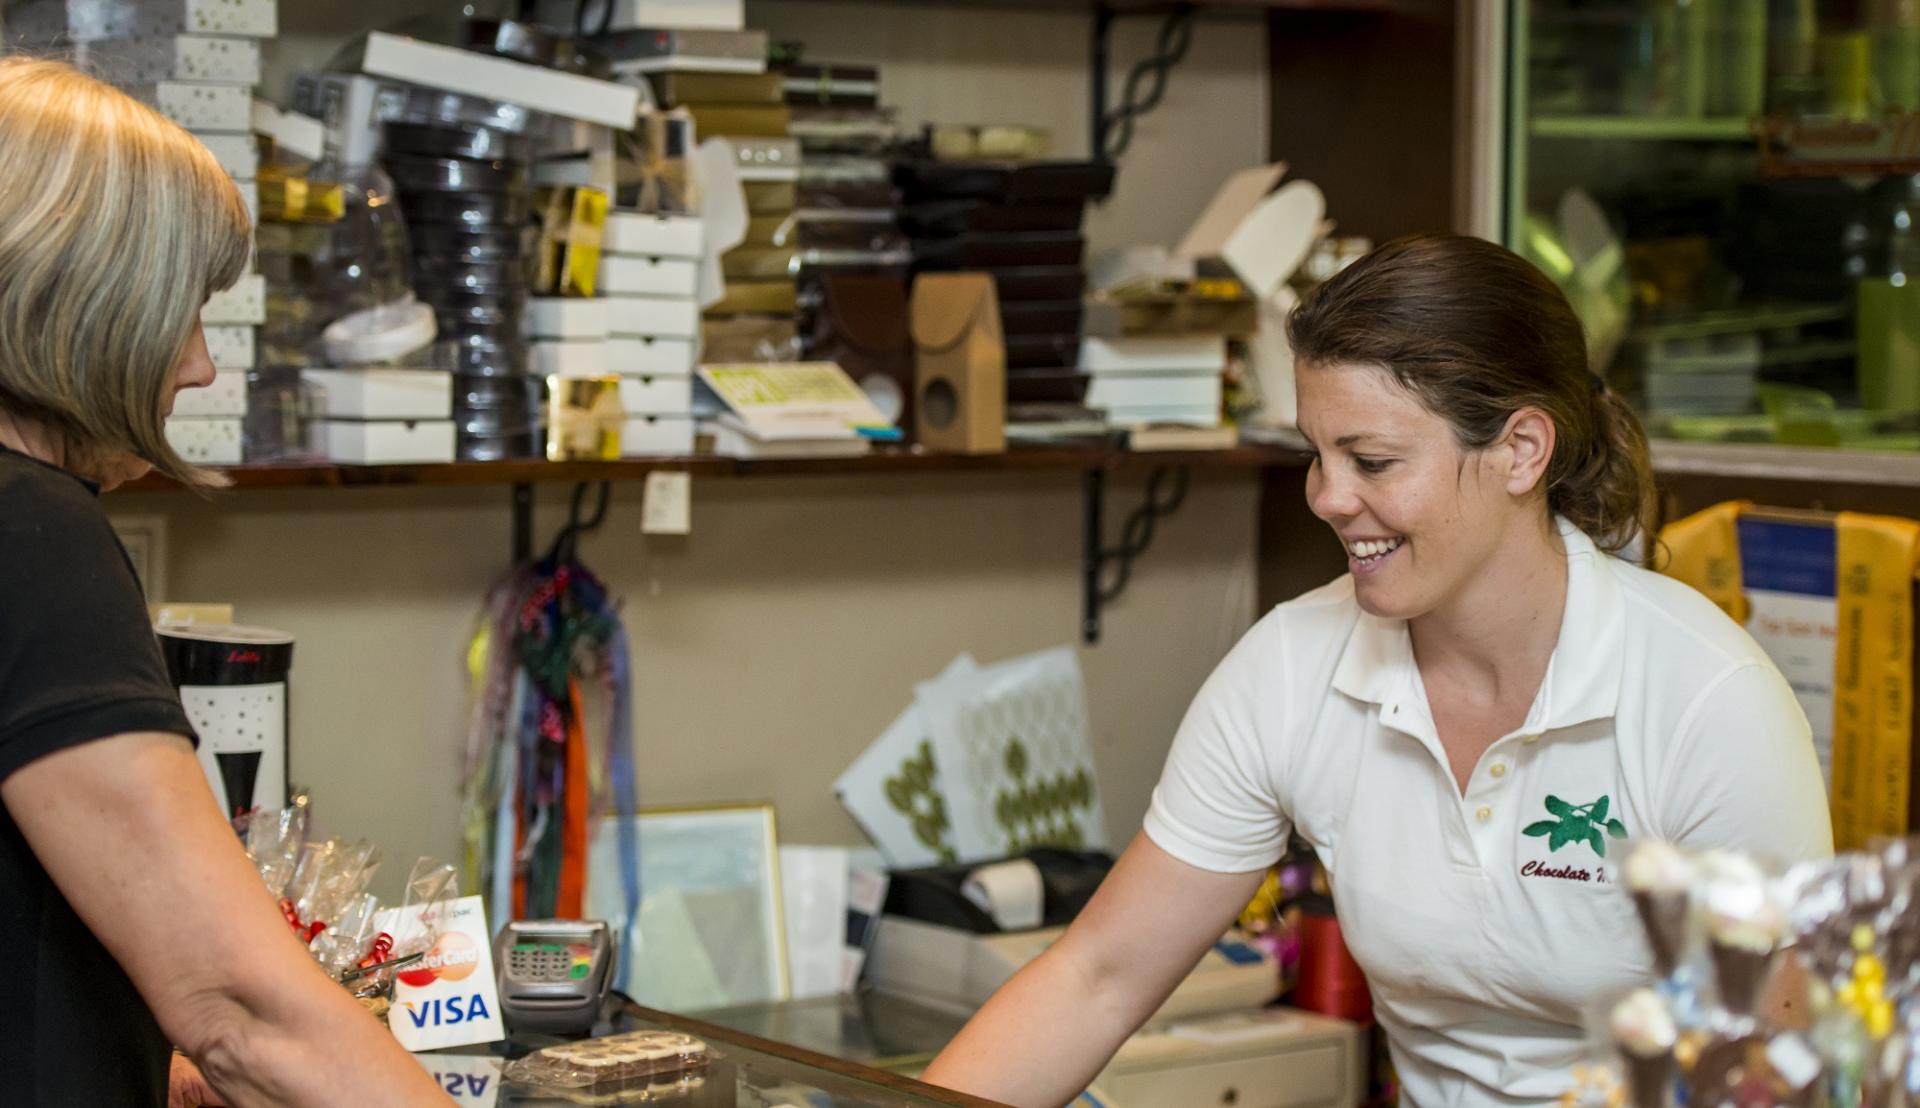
1487,922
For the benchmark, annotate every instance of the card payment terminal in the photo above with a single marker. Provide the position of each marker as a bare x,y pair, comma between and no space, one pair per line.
553,973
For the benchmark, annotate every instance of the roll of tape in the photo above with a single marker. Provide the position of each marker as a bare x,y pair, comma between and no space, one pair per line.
1011,892
456,140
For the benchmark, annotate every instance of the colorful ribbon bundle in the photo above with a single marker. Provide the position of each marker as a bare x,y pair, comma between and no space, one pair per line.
549,661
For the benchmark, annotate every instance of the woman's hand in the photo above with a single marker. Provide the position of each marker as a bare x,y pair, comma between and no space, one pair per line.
1050,1030
187,1088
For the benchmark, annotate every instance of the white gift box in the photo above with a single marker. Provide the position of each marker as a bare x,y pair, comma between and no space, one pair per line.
236,154
655,236
651,357
654,316
624,275
1198,353
384,442
568,357
225,398
140,61
93,20
244,303
656,395
566,317
1195,391
380,394
197,106
207,442
231,348
656,436
535,87
637,15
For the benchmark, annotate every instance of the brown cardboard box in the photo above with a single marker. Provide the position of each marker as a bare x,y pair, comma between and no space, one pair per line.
744,120
768,197
690,87
743,297
758,263
862,325
960,358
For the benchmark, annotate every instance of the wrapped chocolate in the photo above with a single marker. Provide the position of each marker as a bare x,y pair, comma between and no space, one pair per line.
1745,926
1645,1033
1660,879
636,1065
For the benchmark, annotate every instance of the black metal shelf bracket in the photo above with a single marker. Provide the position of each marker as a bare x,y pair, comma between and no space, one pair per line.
1166,491
522,522
1146,84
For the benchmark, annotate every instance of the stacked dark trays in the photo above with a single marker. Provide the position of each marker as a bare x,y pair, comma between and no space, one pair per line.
461,169
1019,223
846,209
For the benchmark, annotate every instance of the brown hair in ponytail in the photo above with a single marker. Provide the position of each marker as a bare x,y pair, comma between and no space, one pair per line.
1477,333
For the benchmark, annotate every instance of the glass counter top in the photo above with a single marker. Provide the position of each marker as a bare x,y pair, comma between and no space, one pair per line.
747,1072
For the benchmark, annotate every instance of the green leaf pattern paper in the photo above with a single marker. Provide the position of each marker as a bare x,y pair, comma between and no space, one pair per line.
896,793
1016,756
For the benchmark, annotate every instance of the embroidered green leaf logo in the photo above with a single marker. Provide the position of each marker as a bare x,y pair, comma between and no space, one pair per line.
1577,824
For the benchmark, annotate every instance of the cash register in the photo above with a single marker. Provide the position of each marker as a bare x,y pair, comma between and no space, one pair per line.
1216,1040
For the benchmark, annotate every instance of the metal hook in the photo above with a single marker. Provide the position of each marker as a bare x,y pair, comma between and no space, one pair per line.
565,542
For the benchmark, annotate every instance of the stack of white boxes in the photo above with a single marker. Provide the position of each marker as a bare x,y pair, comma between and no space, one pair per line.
197,62
1176,379
650,275
377,416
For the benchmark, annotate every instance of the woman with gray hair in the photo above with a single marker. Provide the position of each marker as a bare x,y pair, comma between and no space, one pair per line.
130,918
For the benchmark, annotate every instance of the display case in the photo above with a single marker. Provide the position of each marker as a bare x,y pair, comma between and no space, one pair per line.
1728,191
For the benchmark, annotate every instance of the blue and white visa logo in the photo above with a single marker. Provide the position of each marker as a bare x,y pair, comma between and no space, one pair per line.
450,997
470,1079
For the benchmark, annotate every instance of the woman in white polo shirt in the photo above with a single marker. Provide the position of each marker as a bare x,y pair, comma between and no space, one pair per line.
1464,727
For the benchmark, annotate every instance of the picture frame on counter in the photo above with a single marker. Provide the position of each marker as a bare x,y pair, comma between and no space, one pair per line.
711,931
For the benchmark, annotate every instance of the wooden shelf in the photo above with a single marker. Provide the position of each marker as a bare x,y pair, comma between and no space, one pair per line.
879,463
1641,128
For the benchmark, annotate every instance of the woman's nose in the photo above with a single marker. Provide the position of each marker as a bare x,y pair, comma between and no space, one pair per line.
1330,496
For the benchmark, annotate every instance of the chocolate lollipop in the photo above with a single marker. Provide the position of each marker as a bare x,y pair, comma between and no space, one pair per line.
1645,1033
1658,876
1744,927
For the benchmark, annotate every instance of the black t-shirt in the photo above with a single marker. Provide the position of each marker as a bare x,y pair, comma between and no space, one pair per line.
78,663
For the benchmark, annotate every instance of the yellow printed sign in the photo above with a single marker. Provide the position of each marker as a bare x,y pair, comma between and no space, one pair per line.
1876,558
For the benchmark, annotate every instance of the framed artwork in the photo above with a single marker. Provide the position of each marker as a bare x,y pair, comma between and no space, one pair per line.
710,931
145,538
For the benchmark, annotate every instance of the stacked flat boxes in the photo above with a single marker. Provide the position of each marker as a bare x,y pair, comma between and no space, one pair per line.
1020,223
847,218
197,62
1172,379
649,273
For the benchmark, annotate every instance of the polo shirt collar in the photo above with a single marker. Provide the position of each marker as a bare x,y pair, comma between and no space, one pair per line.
1583,676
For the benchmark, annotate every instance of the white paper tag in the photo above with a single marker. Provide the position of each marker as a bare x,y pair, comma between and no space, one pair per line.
667,508
451,997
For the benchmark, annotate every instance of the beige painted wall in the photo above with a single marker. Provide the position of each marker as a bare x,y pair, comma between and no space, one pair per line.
974,65
771,646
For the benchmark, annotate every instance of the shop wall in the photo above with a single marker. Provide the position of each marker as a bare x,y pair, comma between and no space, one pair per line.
972,64
770,646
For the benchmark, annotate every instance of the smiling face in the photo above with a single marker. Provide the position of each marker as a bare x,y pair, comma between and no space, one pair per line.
1422,519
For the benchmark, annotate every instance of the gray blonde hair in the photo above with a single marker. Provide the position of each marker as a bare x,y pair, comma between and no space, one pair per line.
115,227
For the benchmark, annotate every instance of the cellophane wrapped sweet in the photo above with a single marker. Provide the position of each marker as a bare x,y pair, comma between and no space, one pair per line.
321,888
1719,926
626,1068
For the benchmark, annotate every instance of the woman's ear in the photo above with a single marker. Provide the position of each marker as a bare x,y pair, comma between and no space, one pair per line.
1529,439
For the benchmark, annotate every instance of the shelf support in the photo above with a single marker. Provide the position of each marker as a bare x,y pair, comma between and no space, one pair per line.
1112,128
522,522
1166,491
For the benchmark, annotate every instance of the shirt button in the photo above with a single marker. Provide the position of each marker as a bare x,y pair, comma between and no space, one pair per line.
1529,739
1498,769
1484,814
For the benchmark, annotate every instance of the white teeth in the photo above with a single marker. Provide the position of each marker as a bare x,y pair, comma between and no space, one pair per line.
1369,548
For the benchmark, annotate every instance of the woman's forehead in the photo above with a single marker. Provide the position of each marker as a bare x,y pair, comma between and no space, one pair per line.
1352,401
